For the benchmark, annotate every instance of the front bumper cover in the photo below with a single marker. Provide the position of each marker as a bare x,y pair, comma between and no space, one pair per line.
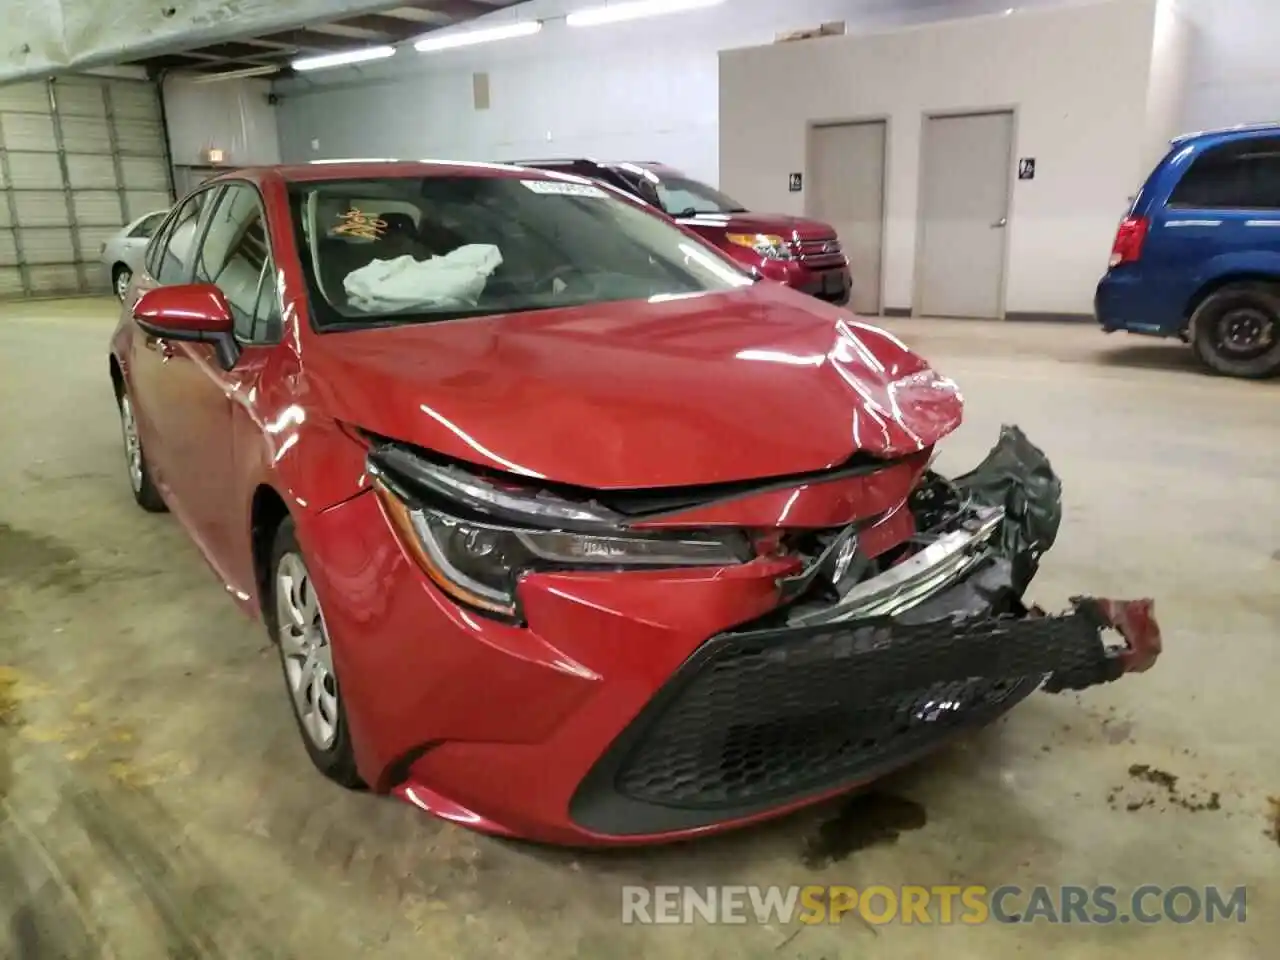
806,702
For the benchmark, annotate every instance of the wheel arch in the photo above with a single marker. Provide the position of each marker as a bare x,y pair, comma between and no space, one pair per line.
117,376
267,512
1221,282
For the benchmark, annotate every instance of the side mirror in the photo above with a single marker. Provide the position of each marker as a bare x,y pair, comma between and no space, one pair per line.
191,312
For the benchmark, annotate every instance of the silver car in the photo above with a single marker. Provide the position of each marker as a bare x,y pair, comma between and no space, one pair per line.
122,254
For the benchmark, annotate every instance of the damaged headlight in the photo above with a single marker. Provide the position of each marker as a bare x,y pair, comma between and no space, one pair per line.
475,539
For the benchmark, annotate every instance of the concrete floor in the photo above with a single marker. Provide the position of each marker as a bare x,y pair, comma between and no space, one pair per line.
155,802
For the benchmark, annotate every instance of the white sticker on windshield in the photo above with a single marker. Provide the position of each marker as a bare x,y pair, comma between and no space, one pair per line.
564,189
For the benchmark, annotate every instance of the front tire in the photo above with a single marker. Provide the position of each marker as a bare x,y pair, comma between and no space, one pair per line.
297,625
121,277
1236,331
144,490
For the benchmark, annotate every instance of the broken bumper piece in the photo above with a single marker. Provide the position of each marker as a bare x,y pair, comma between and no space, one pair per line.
824,696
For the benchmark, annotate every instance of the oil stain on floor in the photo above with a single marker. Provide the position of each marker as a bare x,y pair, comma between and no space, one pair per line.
866,820
38,561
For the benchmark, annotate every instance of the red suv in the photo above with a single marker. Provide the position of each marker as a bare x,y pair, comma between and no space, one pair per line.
563,526
804,254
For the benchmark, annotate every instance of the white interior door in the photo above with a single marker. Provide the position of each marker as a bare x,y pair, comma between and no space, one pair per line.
846,190
964,214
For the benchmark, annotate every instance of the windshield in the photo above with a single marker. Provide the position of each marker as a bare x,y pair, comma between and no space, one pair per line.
421,249
682,197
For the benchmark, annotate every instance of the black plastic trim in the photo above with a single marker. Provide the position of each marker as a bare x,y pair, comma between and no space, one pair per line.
994,637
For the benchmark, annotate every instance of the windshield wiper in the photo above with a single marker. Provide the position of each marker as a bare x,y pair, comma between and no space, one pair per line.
695,212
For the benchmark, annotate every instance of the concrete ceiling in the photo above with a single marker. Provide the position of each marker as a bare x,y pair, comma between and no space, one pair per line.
44,37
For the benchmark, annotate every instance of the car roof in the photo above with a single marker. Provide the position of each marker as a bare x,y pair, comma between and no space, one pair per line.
1222,134
319,170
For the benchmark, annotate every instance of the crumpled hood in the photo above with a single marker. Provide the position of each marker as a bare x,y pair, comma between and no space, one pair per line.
782,224
756,383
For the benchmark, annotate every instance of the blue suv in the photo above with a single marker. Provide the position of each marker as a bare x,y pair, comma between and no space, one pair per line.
1198,256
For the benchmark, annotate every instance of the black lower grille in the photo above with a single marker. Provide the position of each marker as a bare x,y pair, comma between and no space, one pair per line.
758,719
751,730
829,285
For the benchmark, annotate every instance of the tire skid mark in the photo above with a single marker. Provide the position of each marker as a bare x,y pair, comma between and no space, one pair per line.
42,912
194,909
46,918
197,906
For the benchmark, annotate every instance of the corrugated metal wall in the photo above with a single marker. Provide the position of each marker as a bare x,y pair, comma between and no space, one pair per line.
79,158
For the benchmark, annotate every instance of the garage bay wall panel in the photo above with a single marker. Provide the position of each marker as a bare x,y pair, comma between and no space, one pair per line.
31,171
96,208
144,173
88,172
11,276
53,280
25,98
79,158
42,208
86,135
29,132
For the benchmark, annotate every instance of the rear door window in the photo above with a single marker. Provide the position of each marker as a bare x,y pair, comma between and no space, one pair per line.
1244,175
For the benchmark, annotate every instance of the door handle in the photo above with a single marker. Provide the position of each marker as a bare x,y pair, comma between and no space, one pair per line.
1000,224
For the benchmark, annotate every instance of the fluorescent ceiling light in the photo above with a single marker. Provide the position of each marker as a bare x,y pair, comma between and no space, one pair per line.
468,38
618,12
343,59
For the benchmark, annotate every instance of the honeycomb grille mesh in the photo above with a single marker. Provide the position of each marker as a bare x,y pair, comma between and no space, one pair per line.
768,718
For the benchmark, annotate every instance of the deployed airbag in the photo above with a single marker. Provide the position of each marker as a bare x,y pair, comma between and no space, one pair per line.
454,280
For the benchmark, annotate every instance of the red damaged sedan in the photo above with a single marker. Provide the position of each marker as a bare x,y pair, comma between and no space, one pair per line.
565,528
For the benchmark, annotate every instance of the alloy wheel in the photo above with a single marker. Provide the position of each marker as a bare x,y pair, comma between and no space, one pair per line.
123,279
305,650
132,444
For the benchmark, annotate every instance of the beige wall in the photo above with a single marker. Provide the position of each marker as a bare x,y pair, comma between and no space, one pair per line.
1167,92
643,90
1078,78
